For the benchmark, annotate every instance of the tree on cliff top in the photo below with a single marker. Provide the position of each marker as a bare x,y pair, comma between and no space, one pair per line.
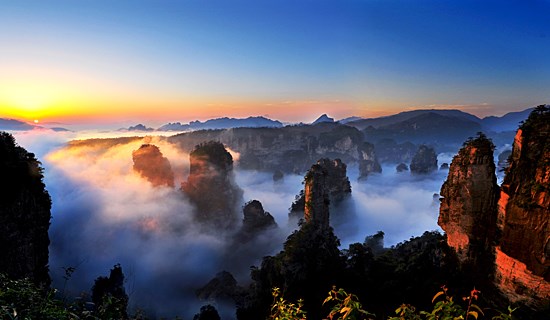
215,152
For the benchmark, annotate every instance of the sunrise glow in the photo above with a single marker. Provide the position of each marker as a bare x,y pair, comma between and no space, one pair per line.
221,159
181,61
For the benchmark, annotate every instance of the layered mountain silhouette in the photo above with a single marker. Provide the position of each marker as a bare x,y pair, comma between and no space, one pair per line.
223,123
16,125
507,122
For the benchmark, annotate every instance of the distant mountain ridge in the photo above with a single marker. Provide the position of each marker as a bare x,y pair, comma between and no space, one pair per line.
507,122
12,124
223,123
406,115
427,127
137,127
17,125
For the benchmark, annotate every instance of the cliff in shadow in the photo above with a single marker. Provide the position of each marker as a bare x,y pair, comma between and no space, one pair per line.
424,161
255,221
24,214
369,163
211,186
288,149
325,183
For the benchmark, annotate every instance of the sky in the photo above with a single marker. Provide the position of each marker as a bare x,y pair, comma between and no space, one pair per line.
159,61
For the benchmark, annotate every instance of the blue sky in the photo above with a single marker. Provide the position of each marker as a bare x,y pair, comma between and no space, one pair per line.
291,60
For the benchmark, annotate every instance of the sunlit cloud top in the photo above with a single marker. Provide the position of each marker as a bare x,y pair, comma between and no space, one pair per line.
185,60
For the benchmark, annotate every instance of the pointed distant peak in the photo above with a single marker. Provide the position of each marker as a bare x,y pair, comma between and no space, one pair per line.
323,118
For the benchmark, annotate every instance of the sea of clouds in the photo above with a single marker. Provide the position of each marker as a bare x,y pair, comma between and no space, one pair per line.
104,213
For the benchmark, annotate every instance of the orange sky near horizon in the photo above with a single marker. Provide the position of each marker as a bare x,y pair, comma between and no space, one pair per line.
45,106
72,99
50,103
153,62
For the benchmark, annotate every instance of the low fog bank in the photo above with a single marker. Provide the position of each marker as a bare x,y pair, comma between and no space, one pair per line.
104,213
41,141
399,204
276,197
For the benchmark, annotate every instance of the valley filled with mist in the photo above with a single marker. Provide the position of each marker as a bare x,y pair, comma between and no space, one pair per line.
176,210
274,159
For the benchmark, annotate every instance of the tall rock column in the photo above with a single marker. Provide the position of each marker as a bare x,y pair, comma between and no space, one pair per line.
424,161
317,201
331,173
256,219
338,184
24,214
153,166
369,162
468,210
211,186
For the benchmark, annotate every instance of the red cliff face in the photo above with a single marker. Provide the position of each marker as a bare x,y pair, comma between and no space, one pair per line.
149,163
526,228
513,225
316,197
468,210
518,283
523,258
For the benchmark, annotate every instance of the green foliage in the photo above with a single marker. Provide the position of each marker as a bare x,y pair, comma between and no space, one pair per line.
505,316
284,310
21,299
346,306
406,312
109,296
215,152
111,308
444,309
480,141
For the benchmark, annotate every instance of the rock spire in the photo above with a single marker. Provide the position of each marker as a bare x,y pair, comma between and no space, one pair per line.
468,210
152,165
326,179
211,186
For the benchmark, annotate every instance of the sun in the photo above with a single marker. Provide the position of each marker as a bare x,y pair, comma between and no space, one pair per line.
29,102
